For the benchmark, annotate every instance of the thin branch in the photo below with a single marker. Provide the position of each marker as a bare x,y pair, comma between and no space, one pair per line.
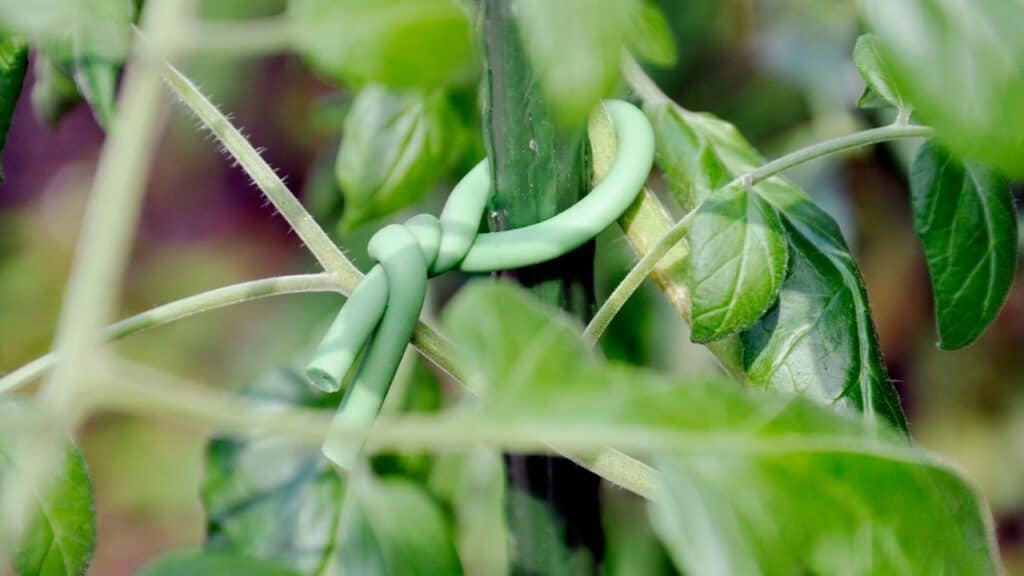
203,302
832,146
634,279
311,234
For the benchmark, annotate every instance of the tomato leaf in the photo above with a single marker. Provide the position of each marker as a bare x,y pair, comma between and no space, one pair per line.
965,219
651,36
737,262
87,40
959,65
820,339
13,64
278,500
397,43
394,149
54,93
738,250
747,481
192,563
822,317
575,47
877,75
60,534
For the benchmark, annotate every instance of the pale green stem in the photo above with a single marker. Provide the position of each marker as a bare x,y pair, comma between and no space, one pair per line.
203,302
241,38
142,390
311,234
111,217
634,279
103,248
833,146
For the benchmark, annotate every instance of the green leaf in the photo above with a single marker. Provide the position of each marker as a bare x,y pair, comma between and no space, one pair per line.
808,508
60,535
99,43
474,485
13,64
698,152
275,499
877,75
959,65
651,36
270,498
86,39
819,338
738,246
965,218
394,149
54,93
737,262
575,47
750,483
398,43
395,528
193,563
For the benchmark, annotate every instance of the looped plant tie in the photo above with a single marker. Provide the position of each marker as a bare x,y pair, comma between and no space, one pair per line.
383,310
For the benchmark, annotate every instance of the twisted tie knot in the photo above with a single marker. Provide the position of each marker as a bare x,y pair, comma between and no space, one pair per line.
382,311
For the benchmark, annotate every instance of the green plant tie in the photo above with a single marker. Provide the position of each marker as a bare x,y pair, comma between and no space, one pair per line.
383,310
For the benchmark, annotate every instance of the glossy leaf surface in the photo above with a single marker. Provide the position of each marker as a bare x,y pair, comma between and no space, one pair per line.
398,43
748,480
395,147
738,250
959,65
737,262
965,219
819,338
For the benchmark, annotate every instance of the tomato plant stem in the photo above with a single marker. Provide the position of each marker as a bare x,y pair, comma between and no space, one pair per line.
311,234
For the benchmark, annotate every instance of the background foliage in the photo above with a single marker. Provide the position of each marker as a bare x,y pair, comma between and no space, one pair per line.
783,71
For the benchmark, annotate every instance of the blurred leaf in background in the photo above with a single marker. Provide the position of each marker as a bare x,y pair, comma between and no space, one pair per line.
959,65
397,43
395,147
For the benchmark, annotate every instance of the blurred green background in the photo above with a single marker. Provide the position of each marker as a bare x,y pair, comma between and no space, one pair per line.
780,70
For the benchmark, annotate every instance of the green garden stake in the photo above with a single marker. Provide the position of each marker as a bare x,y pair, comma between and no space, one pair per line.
383,310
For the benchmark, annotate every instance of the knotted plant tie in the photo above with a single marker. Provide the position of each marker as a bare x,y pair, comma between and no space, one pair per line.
383,310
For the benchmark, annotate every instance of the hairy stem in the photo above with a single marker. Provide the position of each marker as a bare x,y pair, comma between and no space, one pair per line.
311,234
